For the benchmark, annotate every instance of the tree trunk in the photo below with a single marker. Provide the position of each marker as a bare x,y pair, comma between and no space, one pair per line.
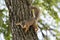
18,11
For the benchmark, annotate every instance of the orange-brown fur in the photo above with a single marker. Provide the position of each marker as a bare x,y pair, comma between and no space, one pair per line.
32,22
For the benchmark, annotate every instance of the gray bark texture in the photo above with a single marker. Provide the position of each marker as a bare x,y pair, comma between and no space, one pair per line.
20,10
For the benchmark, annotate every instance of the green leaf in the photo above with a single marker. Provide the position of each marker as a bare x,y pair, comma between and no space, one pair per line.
1,22
58,34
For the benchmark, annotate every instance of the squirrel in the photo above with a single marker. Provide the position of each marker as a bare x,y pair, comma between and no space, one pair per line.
33,22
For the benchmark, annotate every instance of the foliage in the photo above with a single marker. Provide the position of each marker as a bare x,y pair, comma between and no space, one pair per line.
48,6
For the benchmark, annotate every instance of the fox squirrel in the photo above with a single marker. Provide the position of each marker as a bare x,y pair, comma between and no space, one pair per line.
32,22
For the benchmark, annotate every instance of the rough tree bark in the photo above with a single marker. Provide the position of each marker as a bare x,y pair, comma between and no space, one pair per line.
17,10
